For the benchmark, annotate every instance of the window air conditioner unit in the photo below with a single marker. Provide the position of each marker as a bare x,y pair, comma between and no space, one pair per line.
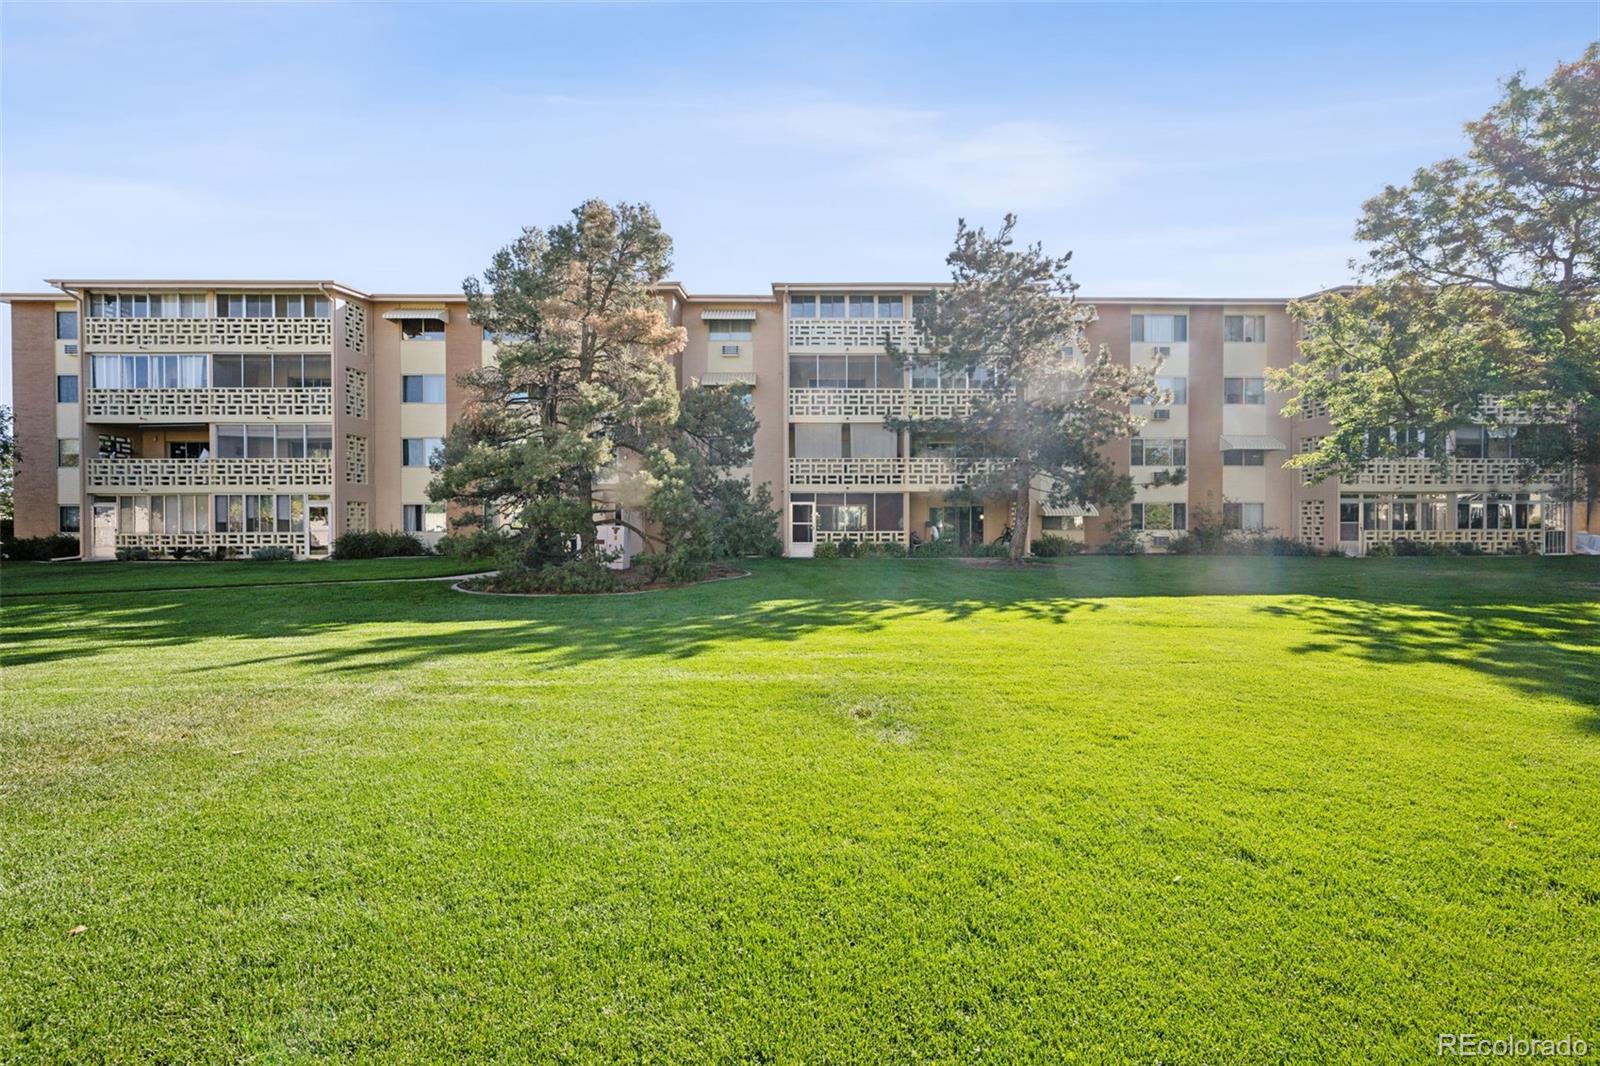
70,349
730,349
1162,350
1160,414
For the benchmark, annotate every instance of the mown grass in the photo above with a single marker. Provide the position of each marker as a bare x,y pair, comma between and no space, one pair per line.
33,579
1187,810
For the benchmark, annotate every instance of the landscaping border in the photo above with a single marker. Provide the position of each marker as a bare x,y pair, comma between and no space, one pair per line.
626,592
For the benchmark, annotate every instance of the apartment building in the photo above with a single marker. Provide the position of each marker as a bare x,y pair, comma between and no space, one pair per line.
196,416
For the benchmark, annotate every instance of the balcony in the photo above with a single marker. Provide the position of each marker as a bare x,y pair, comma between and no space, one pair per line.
160,405
924,474
853,334
206,334
238,543
880,403
1544,541
1462,474
258,474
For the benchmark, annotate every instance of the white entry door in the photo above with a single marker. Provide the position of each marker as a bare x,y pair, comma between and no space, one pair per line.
802,530
104,518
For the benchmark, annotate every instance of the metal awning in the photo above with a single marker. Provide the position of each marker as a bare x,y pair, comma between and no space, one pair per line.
400,314
728,379
727,316
1070,510
1245,442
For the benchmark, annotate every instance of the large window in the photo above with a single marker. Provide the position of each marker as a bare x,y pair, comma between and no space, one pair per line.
1161,329
147,371
168,513
1244,390
66,388
730,329
287,441
265,371
831,306
1158,516
260,513
66,325
1244,329
423,517
802,307
938,376
1155,451
868,371
422,388
1487,442
1243,457
1491,510
1247,517
69,518
891,307
418,451
67,451
148,305
421,329
863,307
272,305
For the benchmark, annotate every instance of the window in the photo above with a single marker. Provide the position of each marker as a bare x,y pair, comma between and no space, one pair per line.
286,441
423,517
1161,329
421,329
66,388
1244,390
891,307
269,305
1246,517
802,307
1177,388
1243,457
147,371
863,307
1157,452
67,450
418,451
66,325
731,329
254,513
1158,516
831,306
921,305
67,519
1349,519
422,388
1244,329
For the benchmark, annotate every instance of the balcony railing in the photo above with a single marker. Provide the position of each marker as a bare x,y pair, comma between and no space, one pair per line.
260,474
861,536
206,334
1543,541
880,403
912,475
151,404
166,542
1473,474
853,334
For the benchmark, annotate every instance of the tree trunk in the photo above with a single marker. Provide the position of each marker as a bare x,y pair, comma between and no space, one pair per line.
1019,522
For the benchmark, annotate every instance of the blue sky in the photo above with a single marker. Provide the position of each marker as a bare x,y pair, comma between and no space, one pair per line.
1177,150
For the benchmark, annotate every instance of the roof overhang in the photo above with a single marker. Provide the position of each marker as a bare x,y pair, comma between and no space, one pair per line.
1070,510
400,314
1246,442
723,378
728,316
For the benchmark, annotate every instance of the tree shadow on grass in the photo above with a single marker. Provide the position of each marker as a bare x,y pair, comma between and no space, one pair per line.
1534,648
1546,640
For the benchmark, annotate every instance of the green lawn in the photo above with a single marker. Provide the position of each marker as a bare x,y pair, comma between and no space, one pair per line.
30,579
1187,810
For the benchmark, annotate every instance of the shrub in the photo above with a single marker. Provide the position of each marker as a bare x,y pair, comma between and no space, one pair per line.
1123,541
998,549
943,548
826,550
576,576
41,549
133,555
881,549
847,548
1380,550
1467,547
1050,546
277,553
476,547
377,544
